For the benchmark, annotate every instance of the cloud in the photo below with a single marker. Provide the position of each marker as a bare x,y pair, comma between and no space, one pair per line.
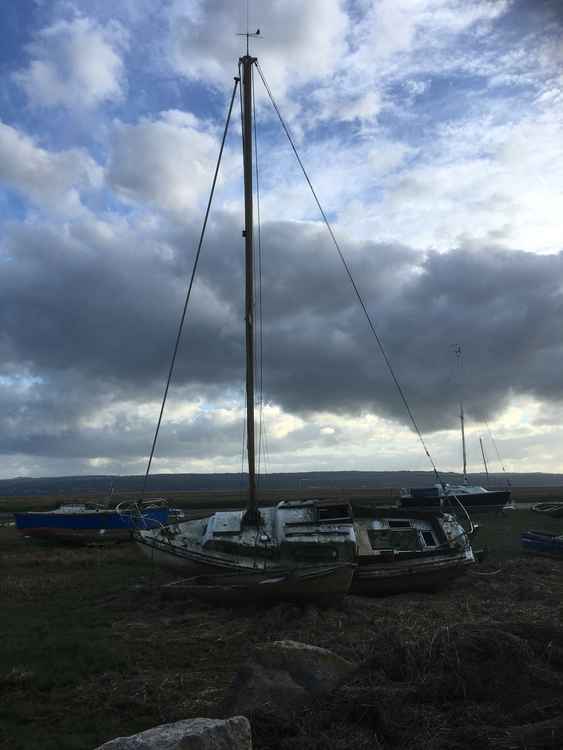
167,161
50,179
299,43
98,304
75,64
431,130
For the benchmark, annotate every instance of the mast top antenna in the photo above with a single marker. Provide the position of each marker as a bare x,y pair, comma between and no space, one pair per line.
255,35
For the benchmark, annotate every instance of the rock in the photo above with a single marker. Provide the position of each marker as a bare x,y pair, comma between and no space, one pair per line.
283,675
189,734
315,668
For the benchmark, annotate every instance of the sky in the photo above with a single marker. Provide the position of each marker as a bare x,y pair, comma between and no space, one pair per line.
432,131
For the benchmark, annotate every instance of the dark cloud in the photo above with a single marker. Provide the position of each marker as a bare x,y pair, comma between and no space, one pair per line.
89,313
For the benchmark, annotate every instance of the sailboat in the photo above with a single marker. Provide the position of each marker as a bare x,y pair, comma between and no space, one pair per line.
83,523
473,497
314,549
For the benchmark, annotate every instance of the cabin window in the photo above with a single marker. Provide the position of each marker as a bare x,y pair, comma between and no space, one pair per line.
403,540
429,539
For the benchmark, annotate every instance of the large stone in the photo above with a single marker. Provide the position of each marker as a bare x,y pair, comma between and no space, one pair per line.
316,669
190,734
283,675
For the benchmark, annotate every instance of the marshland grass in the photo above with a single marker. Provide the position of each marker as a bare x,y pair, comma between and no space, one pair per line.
88,651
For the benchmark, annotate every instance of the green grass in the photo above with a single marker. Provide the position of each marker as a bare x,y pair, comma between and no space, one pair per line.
499,534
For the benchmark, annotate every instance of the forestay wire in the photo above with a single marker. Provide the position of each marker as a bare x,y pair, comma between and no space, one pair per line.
349,274
501,462
190,286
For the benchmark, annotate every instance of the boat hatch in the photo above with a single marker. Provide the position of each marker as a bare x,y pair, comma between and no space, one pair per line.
429,539
224,523
389,539
399,524
333,512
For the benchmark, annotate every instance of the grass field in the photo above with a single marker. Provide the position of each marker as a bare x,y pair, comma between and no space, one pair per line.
216,500
88,651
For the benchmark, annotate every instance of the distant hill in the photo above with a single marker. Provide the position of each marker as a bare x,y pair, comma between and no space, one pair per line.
100,484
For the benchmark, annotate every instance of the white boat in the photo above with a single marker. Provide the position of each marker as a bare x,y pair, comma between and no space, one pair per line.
299,536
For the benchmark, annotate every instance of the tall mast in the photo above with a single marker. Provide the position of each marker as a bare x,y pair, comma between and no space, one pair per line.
251,516
461,414
484,459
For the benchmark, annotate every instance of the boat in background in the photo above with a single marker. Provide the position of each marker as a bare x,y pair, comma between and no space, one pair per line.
542,543
82,523
474,498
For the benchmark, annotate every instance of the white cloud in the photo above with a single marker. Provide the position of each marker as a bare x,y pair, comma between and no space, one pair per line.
75,64
167,161
299,41
480,179
51,179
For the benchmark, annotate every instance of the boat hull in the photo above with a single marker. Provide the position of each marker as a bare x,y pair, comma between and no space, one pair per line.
325,586
184,559
380,579
483,502
542,543
83,527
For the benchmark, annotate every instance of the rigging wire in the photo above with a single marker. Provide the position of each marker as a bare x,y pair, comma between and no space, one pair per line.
190,286
494,442
351,278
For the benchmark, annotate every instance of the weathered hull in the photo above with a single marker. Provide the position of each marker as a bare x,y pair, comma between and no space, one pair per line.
542,543
325,585
191,559
380,579
291,536
186,560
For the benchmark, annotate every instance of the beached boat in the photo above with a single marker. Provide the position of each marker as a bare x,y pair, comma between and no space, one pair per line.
315,584
290,535
88,522
284,541
408,551
542,543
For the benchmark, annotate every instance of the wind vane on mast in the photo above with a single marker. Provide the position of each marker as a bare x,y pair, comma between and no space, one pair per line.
248,35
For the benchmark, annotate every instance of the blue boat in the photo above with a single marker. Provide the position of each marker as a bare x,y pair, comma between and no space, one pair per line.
542,543
86,522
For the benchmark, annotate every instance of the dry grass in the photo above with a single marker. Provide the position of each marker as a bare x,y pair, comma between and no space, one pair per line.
89,652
